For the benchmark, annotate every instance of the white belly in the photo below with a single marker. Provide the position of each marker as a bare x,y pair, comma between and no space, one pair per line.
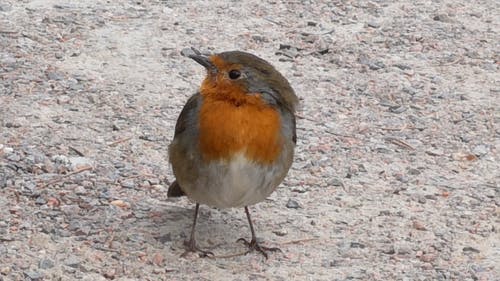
235,183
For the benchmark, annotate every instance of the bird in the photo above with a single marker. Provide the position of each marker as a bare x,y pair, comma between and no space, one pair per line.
234,139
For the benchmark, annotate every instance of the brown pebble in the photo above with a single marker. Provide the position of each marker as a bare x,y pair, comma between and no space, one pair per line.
110,274
120,203
53,202
158,259
5,270
428,257
418,225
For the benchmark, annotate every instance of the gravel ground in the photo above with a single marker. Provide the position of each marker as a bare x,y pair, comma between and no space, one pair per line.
396,175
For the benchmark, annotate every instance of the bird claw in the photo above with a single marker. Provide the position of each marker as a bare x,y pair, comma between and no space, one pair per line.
254,246
191,247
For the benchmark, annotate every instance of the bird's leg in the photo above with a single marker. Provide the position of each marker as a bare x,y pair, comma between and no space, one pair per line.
253,245
190,244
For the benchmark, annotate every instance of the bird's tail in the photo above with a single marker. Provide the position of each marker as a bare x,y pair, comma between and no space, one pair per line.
174,190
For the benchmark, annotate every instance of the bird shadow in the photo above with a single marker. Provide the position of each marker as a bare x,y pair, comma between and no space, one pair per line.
172,225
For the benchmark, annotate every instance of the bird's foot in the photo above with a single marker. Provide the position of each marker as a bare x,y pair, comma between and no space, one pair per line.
254,246
191,247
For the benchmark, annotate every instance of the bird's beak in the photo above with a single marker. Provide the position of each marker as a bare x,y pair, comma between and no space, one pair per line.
199,58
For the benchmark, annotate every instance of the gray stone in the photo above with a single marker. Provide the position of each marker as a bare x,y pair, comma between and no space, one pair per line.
403,66
388,249
14,157
442,18
4,7
480,150
299,189
403,249
470,250
54,76
72,261
154,181
77,162
45,264
376,65
33,275
40,201
413,171
281,232
435,152
128,183
397,109
357,245
164,238
60,159
80,190
292,204
336,182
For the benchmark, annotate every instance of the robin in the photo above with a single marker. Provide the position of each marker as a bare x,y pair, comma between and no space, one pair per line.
235,138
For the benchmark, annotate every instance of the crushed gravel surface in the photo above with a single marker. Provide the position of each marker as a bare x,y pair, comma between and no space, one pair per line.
397,170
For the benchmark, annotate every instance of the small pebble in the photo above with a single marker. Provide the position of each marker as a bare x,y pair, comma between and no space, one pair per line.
403,249
281,232
40,201
164,238
72,261
469,249
110,274
428,257
54,76
128,183
78,162
4,270
388,250
154,181
14,157
45,264
299,189
418,225
80,190
403,66
284,46
442,18
60,159
480,150
357,245
158,259
33,275
376,65
427,265
336,182
311,38
435,152
413,171
4,7
397,109
292,204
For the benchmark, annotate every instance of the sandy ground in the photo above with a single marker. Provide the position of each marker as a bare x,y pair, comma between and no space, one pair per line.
396,175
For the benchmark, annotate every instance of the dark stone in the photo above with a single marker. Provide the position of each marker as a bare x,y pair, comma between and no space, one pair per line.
469,249
357,245
292,204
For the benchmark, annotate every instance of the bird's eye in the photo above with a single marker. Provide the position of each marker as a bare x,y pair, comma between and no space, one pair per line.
234,74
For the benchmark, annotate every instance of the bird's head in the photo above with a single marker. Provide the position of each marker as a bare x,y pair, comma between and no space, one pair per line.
237,75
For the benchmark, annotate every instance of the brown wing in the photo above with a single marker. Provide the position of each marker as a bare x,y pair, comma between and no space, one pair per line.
187,114
186,119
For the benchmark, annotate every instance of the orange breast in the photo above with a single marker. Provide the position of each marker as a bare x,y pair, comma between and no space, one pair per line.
236,123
